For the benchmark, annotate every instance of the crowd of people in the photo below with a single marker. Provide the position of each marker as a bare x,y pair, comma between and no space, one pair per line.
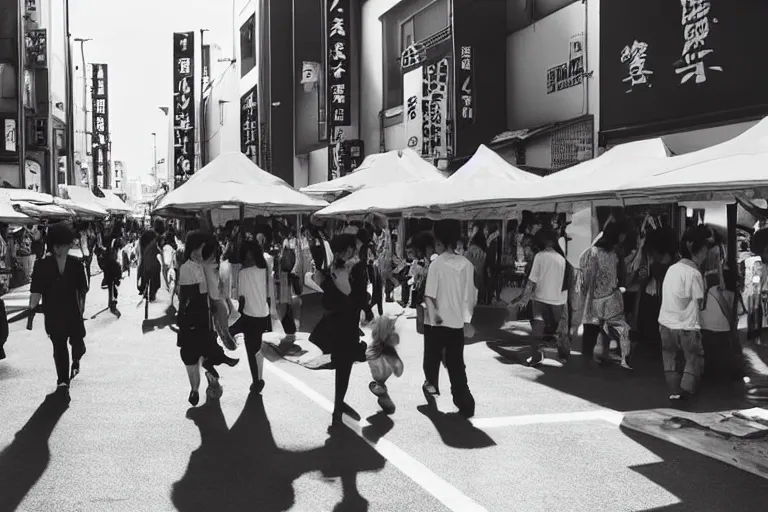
688,291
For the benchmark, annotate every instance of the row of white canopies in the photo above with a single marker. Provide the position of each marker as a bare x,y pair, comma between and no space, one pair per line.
401,183
20,206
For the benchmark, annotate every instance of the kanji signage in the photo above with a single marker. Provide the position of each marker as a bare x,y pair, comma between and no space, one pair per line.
678,64
571,73
100,124
466,87
338,63
36,44
249,125
183,106
425,94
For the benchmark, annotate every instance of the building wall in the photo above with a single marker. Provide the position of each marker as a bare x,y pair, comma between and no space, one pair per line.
372,75
222,123
57,58
530,53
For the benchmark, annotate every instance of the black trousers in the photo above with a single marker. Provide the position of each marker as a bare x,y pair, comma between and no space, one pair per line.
61,355
253,329
343,373
289,325
3,325
451,341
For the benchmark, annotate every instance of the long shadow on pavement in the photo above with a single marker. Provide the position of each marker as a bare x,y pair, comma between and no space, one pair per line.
242,468
698,482
455,430
24,461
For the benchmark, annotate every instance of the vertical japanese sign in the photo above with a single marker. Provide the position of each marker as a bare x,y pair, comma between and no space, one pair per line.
249,125
36,44
183,106
100,124
434,107
339,101
466,88
695,21
414,119
206,66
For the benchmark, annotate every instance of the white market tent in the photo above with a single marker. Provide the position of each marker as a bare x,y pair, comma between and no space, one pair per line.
232,181
720,172
485,177
81,201
10,216
114,204
379,170
36,204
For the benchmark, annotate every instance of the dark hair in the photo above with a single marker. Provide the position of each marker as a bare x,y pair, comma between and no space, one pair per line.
698,240
546,236
253,247
212,247
60,234
317,251
663,241
363,235
612,232
759,242
159,226
421,241
448,232
195,240
478,240
342,242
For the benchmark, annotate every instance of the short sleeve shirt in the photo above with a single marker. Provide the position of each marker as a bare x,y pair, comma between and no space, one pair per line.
680,294
62,292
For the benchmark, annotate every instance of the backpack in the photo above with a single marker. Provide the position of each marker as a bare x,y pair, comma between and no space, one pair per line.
287,259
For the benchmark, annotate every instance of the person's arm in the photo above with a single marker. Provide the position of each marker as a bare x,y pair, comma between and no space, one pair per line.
530,287
698,291
430,295
470,297
36,292
82,286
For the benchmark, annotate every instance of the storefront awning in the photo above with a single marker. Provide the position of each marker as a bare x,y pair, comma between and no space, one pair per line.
81,201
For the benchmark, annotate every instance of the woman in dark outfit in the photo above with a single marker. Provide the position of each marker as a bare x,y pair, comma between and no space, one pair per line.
344,296
196,336
60,281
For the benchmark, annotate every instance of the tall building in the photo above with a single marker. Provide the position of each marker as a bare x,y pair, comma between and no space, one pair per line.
34,40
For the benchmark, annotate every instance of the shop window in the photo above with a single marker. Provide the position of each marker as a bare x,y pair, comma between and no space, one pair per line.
8,84
412,22
248,46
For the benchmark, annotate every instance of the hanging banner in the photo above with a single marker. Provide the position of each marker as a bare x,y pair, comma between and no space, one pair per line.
183,106
36,43
338,62
100,124
412,113
434,107
10,135
249,127
206,66
466,88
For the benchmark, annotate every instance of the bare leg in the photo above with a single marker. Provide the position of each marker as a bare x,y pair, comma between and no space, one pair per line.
193,372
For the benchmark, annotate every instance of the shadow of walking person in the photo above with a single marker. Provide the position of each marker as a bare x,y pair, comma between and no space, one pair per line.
24,461
242,468
455,430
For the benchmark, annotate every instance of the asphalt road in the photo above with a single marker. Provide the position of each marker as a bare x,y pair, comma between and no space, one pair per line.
543,439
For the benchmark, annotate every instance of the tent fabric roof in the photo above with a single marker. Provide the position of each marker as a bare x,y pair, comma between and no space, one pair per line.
82,200
8,214
232,180
379,170
728,167
114,204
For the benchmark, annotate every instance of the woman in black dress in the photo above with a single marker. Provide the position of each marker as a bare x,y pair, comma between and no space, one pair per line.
344,296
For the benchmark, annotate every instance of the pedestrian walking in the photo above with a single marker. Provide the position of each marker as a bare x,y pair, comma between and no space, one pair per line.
450,296
196,336
59,280
682,299
344,296
256,305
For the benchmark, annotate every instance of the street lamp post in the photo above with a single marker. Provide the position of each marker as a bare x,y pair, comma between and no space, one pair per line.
154,162
85,112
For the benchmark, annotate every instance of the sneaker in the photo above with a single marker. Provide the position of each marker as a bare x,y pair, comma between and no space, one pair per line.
63,389
257,387
386,404
214,390
194,398
75,369
465,402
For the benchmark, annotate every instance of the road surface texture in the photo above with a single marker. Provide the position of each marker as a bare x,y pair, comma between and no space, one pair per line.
543,439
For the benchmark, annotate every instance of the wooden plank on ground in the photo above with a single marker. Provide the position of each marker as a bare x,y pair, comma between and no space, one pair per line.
749,455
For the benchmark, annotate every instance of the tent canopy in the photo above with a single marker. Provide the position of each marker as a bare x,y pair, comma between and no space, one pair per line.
10,216
380,170
232,180
724,169
114,204
82,201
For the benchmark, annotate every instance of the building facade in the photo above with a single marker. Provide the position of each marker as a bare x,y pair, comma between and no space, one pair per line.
35,41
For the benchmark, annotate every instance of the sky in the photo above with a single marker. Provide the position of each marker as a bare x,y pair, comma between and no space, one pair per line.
135,38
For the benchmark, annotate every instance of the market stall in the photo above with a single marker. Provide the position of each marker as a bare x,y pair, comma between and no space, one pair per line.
8,215
81,201
377,171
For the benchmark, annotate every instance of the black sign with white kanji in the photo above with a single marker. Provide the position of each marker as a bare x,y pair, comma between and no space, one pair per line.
339,56
466,87
249,125
183,106
99,125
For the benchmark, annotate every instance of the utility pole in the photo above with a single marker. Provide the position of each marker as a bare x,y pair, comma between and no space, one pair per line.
201,113
21,117
71,177
154,164
92,172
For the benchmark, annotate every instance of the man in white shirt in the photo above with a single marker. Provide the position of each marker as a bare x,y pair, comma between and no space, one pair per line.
546,289
682,298
450,297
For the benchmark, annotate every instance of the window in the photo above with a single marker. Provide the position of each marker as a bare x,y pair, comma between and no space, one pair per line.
8,84
414,22
248,46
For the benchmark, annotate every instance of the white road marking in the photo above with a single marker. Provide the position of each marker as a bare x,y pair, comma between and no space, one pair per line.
444,492
613,417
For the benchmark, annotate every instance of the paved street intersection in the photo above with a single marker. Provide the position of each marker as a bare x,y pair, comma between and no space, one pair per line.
543,439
